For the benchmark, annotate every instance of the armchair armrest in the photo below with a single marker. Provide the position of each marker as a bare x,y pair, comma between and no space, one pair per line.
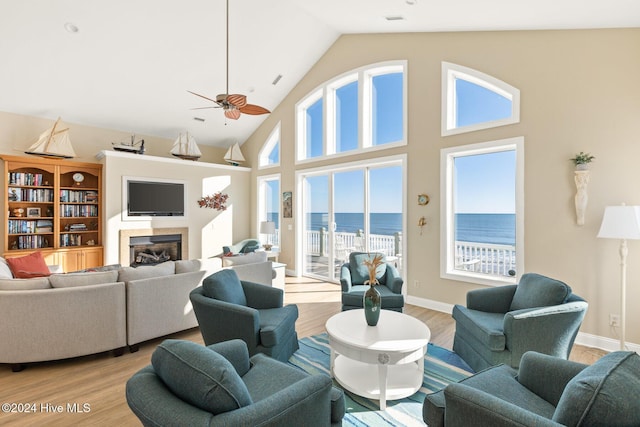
465,403
236,352
393,279
491,300
306,402
345,277
547,376
549,330
262,296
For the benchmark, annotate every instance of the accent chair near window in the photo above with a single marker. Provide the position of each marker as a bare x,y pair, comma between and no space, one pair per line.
354,273
500,324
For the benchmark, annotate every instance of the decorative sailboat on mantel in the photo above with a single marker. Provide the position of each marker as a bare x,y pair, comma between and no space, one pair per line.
234,155
53,142
186,148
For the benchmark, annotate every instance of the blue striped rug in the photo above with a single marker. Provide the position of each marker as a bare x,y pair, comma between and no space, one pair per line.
441,367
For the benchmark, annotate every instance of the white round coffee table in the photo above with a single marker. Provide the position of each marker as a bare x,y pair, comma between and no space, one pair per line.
382,362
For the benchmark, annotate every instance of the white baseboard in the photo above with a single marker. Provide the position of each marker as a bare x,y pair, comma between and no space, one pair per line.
583,338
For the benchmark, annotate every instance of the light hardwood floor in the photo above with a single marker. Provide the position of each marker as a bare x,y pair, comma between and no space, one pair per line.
99,380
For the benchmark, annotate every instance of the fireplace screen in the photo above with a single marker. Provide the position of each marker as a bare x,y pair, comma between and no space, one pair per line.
151,250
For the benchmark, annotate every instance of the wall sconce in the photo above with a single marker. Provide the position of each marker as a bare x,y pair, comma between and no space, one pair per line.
422,221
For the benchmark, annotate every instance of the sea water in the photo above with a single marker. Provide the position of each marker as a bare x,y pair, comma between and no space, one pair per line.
480,228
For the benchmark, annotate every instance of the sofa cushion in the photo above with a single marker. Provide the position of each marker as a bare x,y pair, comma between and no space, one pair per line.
250,258
200,376
535,290
101,268
204,264
360,272
5,271
83,279
24,284
127,274
606,392
28,266
224,285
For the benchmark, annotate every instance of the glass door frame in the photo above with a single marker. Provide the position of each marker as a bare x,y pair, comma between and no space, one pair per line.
300,226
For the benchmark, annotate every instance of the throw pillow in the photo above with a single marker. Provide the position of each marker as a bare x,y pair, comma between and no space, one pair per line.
200,376
224,285
28,266
607,391
101,268
360,272
5,271
24,284
127,274
83,279
536,290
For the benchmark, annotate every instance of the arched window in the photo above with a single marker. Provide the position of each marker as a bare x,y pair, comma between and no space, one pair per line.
472,100
270,153
363,109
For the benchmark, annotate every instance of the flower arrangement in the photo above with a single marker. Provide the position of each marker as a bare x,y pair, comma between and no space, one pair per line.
372,265
217,201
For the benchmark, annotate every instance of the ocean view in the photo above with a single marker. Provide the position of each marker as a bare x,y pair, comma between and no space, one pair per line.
479,228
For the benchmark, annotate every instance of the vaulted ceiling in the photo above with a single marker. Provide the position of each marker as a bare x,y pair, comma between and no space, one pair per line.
130,62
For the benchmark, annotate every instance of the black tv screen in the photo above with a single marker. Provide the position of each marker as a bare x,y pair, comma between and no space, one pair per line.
146,198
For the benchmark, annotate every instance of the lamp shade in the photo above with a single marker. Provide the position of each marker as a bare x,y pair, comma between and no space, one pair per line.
620,222
267,227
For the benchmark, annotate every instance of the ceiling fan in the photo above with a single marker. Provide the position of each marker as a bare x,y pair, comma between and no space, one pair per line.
232,104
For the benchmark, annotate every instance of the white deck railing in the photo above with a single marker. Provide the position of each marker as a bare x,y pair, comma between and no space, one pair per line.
486,258
317,243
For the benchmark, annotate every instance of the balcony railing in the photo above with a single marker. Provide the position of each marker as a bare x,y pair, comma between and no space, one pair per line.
486,258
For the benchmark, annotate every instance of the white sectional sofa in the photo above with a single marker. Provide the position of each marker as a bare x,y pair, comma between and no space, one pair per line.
76,314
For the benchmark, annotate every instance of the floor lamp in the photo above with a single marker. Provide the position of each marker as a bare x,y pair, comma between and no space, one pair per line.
621,222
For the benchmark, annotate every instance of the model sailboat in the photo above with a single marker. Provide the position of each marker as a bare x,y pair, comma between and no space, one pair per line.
234,155
133,147
53,142
186,148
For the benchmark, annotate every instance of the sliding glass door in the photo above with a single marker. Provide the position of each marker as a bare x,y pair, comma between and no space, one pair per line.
351,208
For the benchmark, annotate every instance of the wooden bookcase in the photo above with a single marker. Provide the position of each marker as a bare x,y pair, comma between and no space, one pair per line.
47,210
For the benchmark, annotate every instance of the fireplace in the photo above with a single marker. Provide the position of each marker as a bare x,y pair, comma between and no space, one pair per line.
158,245
151,250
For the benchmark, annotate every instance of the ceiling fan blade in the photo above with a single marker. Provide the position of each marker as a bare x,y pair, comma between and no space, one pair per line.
232,114
254,110
238,100
202,96
206,108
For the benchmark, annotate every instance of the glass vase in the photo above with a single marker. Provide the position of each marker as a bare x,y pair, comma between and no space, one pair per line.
372,305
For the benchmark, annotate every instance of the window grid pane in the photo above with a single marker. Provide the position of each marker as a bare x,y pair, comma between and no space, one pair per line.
387,108
346,105
315,132
476,104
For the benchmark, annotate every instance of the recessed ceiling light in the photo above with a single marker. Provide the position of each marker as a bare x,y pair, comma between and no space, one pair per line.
394,18
71,27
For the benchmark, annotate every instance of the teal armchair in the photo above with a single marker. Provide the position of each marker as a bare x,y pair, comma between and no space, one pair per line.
498,325
546,391
227,308
188,384
354,273
242,247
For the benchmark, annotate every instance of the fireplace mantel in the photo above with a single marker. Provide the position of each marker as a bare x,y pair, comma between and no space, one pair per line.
126,234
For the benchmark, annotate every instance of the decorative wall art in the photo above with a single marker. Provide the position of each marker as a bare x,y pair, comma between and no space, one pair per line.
287,204
217,201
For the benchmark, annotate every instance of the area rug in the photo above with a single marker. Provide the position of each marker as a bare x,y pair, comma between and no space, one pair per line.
441,367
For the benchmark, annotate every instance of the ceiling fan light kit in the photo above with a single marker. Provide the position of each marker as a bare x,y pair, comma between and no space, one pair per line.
233,104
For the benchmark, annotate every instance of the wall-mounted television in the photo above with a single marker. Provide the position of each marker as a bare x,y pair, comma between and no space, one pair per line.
155,198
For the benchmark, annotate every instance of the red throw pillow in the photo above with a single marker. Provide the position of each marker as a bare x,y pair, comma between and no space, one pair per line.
28,266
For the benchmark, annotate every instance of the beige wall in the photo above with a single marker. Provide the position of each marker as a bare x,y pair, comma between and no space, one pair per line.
579,92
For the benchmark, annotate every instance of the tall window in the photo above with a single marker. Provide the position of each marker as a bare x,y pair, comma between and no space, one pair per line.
360,110
270,152
269,206
472,100
482,212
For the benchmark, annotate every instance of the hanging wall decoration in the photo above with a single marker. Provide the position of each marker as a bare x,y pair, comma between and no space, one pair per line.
218,201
